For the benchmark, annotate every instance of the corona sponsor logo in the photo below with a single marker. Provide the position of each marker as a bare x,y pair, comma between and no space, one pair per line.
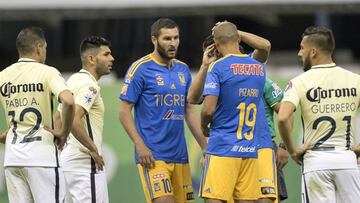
317,94
7,89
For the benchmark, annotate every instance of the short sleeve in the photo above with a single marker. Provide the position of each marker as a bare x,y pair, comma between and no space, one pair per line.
86,95
56,82
272,93
132,86
291,94
212,82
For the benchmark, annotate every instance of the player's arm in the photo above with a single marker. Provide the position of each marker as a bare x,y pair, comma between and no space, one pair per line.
197,86
68,105
193,122
3,136
79,132
126,118
57,120
260,45
207,113
285,124
282,155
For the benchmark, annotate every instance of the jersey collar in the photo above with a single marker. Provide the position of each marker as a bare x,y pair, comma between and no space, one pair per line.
87,72
162,64
330,65
26,60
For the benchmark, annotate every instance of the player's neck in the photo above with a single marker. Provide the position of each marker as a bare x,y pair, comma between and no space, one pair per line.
230,51
160,59
322,60
30,56
93,72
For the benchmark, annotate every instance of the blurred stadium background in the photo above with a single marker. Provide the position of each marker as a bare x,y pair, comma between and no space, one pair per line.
126,23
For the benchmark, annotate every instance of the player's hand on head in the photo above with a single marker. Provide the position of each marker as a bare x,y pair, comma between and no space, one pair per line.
61,138
282,157
99,160
145,156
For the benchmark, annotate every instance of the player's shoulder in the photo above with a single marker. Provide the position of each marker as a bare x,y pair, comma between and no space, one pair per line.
180,63
139,65
40,67
81,78
218,62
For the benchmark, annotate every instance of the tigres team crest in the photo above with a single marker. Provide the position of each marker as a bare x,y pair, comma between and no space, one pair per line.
159,80
181,78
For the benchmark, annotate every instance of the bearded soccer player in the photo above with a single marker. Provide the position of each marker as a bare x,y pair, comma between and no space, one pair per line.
328,97
32,168
156,86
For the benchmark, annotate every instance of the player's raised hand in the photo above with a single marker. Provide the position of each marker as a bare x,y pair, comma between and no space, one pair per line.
145,156
61,138
209,55
99,160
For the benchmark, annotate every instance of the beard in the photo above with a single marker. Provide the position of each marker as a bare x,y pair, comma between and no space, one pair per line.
163,53
306,63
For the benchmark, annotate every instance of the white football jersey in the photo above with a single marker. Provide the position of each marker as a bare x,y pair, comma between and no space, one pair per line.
328,97
86,93
26,91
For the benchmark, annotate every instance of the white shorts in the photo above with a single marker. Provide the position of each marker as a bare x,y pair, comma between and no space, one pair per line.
86,187
331,186
35,184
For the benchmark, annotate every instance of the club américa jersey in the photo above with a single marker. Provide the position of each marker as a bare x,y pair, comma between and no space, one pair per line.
329,98
238,82
27,88
158,93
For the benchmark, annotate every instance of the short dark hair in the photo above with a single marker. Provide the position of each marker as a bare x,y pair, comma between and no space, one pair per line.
93,42
320,37
207,41
162,23
28,38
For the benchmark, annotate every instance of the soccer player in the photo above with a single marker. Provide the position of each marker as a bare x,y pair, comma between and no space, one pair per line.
328,97
157,86
27,88
81,159
271,98
232,96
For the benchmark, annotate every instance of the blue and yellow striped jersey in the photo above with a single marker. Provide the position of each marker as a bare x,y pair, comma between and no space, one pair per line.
238,81
159,94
